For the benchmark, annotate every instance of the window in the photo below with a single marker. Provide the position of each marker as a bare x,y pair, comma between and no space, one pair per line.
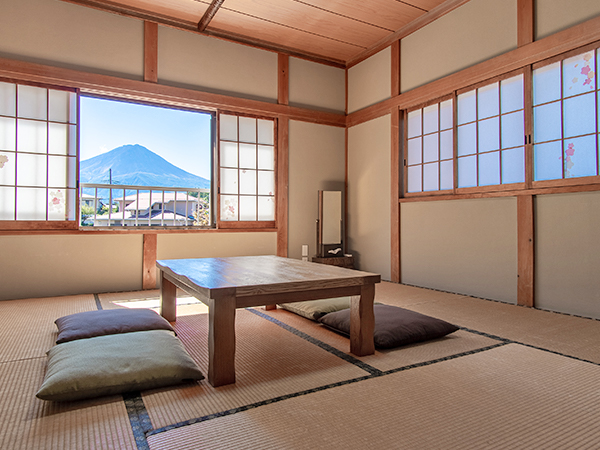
38,153
565,118
247,169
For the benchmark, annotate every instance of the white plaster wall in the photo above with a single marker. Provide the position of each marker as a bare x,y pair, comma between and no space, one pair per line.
472,33
199,62
556,15
316,85
66,35
369,195
462,246
316,162
370,81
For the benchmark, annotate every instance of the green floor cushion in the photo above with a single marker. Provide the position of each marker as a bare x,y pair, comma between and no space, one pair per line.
315,309
394,326
116,363
108,321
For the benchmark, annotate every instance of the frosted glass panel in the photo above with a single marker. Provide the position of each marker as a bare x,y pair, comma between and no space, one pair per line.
511,94
7,203
446,114
467,139
58,173
247,208
31,204
58,138
266,132
266,208
546,83
248,156
446,175
32,136
32,103
579,115
229,154
72,140
7,168
8,99
446,144
467,107
248,182
266,157
547,161
430,119
414,151
266,183
229,181
489,169
579,74
414,179
430,148
229,207
513,129
467,171
547,122
57,204
60,106
414,123
228,127
489,134
247,129
8,133
31,170
431,177
580,157
513,166
488,101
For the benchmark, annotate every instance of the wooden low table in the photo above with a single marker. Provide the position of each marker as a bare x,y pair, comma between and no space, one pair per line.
225,284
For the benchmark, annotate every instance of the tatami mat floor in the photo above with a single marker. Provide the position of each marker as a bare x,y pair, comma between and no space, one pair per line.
512,377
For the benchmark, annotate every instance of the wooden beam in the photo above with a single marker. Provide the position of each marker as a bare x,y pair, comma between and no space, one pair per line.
149,261
209,14
526,250
525,22
282,185
396,68
395,195
283,82
150,52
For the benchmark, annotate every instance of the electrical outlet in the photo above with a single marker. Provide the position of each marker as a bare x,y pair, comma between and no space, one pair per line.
304,250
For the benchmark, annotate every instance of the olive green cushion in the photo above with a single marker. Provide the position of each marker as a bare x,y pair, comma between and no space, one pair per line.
315,309
117,363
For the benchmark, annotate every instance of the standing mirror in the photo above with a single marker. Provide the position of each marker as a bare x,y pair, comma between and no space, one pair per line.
330,225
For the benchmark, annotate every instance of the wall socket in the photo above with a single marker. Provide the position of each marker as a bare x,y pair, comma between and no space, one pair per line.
304,250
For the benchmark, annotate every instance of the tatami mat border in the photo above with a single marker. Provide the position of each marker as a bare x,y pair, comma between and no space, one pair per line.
98,302
138,418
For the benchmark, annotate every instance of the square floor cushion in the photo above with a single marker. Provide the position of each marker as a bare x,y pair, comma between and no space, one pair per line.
108,321
116,363
394,326
315,309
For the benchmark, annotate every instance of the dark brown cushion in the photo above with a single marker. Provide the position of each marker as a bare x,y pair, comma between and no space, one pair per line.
394,326
108,321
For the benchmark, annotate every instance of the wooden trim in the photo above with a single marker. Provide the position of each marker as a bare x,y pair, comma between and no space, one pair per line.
283,84
567,54
282,186
346,174
110,86
593,180
209,14
396,72
528,116
395,195
150,52
247,225
149,261
120,230
425,19
525,22
525,250
37,225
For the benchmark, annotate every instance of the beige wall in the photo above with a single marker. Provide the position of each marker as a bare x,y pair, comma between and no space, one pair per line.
317,86
463,246
567,276
474,32
316,162
66,35
369,195
370,81
191,60
45,266
556,15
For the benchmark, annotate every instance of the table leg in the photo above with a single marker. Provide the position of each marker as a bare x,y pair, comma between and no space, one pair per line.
270,307
221,341
168,299
362,322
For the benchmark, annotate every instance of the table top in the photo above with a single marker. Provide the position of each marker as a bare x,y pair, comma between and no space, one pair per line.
247,275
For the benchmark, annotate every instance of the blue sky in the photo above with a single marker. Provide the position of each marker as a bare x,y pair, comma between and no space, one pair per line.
180,137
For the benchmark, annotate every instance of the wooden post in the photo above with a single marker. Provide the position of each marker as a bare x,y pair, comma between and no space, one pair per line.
150,51
525,250
525,22
149,262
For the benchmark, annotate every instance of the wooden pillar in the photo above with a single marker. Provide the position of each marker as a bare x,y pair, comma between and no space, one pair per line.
149,262
283,62
525,250
395,169
150,51
525,22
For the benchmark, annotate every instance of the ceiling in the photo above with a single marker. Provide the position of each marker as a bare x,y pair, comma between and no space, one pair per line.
338,32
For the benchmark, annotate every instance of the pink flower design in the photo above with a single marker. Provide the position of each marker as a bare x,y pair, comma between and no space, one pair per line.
570,150
585,70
